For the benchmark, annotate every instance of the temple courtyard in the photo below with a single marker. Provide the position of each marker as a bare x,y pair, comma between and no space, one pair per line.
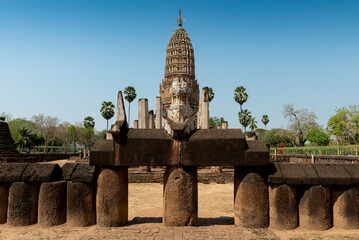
145,215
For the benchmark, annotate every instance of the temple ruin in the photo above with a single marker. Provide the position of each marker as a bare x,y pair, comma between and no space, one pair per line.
279,195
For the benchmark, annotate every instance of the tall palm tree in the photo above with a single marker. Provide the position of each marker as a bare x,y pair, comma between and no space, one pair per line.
244,118
252,123
265,121
130,96
240,95
107,111
210,94
89,122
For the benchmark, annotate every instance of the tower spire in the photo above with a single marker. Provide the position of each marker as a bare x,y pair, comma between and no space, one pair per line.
179,19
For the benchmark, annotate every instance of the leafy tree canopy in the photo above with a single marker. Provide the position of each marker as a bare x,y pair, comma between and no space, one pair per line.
215,122
319,137
302,123
89,122
210,94
345,124
277,136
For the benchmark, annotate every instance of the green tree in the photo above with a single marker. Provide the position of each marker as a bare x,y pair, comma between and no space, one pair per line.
265,121
319,137
46,127
240,96
345,124
252,123
17,127
74,133
277,135
130,96
244,118
210,94
215,122
89,122
63,134
107,111
302,123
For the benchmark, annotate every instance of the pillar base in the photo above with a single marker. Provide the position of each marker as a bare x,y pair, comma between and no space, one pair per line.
283,214
180,197
314,208
250,197
112,197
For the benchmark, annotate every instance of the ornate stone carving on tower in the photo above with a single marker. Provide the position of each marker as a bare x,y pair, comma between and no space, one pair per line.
179,89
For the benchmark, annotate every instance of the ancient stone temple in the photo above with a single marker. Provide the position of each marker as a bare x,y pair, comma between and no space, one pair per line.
179,85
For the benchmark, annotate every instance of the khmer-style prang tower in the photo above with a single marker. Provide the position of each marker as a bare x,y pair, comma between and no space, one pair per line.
179,89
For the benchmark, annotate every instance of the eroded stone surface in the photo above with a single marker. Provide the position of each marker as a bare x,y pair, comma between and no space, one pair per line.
22,208
180,196
345,207
250,197
283,212
81,210
314,207
112,197
4,195
52,203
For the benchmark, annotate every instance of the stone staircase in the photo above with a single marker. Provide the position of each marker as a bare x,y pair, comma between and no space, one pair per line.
8,152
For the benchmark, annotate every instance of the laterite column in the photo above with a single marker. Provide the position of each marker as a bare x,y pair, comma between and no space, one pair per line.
112,197
22,209
345,209
180,196
250,197
52,203
283,212
314,208
4,196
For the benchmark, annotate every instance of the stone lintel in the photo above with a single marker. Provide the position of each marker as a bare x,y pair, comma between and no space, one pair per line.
154,147
292,173
353,170
275,173
257,154
333,174
214,147
102,153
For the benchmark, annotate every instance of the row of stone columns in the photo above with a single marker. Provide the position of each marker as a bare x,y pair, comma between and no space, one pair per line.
317,207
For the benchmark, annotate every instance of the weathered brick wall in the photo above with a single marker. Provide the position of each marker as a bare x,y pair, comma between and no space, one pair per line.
303,158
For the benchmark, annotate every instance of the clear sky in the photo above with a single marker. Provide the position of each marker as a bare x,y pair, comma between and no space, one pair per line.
63,58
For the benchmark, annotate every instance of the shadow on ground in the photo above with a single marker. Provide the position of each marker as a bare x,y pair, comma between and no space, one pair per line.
201,221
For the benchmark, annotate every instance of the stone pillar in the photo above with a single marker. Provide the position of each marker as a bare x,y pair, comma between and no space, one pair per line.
135,124
143,113
109,136
345,208
81,210
151,122
225,125
180,196
204,109
159,113
283,214
250,197
22,209
4,196
112,197
314,208
52,203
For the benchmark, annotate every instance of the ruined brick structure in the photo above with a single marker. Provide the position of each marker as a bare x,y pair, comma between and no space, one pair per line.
280,195
179,68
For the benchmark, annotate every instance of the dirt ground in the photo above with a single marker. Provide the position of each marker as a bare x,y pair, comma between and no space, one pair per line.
145,212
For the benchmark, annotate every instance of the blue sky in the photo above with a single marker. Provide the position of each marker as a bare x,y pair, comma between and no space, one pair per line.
63,58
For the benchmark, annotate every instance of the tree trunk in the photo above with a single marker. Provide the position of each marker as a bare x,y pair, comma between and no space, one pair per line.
129,112
74,146
107,126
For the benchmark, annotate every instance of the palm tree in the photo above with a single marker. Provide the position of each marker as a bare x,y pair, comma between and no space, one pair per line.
240,95
89,122
244,118
265,121
130,96
252,123
210,94
107,111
